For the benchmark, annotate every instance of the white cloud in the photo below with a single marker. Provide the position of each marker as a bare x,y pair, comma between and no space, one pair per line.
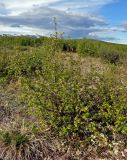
19,6
82,5
42,18
74,17
124,25
22,30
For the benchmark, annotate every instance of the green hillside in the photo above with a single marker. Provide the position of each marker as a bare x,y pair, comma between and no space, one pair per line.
62,99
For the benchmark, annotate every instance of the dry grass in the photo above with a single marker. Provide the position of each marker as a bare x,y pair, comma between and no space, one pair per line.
87,64
36,149
19,143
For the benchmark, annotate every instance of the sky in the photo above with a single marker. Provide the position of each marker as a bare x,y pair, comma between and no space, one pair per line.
97,19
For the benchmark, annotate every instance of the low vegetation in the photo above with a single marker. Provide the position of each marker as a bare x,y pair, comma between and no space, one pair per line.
62,99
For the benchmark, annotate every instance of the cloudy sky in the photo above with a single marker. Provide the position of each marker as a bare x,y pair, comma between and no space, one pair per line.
100,19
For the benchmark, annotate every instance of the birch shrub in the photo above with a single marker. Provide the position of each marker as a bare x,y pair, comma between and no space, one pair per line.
76,105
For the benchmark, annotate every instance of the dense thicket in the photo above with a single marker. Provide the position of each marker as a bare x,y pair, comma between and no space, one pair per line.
74,90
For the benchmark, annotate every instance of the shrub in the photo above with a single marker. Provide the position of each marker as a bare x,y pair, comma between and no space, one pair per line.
74,105
112,57
25,64
90,107
69,46
4,63
87,48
